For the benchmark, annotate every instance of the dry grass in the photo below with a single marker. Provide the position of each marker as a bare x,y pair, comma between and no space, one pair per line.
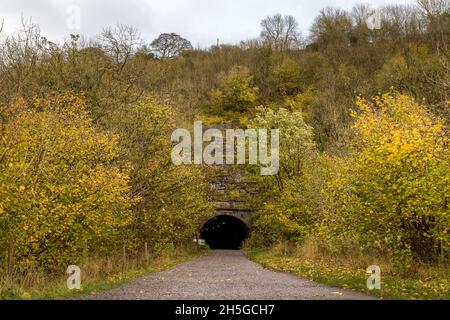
97,273
416,281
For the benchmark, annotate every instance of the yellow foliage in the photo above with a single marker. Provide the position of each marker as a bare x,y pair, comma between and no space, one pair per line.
63,190
393,194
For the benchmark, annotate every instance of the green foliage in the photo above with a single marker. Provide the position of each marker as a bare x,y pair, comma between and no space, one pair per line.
63,189
426,283
421,74
11,293
172,199
296,136
97,168
388,195
236,92
83,176
279,217
288,77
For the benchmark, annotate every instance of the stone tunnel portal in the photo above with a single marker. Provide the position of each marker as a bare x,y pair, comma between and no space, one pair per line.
225,232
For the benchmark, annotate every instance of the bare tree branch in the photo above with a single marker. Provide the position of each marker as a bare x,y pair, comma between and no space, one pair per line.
281,32
120,43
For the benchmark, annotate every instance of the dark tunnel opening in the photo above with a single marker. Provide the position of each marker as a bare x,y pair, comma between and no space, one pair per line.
224,232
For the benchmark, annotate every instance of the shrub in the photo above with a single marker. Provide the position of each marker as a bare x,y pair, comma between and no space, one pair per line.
236,92
394,191
63,191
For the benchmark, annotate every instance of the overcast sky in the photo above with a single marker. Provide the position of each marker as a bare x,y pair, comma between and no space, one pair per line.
200,21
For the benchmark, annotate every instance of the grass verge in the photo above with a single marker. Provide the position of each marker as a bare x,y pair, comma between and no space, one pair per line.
93,279
427,283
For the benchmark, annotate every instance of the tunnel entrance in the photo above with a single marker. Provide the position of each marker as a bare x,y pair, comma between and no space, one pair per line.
224,232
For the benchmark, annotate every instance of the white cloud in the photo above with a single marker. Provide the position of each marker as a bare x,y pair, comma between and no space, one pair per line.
201,21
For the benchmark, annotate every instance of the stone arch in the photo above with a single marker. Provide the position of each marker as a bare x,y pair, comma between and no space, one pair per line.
225,231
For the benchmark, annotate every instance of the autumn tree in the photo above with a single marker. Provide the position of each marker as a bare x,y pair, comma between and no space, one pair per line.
120,43
437,16
298,141
169,45
434,7
420,73
171,199
330,33
288,77
19,54
281,32
393,193
64,191
237,91
277,216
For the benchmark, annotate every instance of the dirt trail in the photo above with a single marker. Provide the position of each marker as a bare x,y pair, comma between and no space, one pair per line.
224,275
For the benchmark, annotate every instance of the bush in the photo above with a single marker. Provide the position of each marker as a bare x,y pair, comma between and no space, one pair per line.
389,195
236,92
397,179
172,199
283,215
63,191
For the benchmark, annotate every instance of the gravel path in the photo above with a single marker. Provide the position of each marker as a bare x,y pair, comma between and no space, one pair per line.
224,275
